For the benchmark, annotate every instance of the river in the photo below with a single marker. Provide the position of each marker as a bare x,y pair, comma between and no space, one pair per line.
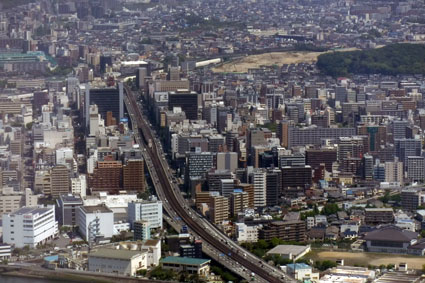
14,279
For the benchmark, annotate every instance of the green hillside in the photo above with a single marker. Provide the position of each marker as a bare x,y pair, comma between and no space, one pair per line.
389,60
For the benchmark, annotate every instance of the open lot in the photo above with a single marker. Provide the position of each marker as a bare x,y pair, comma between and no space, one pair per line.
364,259
269,59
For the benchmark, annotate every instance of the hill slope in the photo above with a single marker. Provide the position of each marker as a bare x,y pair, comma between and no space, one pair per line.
389,60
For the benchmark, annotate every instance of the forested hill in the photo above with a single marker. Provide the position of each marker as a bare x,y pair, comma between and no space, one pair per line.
392,59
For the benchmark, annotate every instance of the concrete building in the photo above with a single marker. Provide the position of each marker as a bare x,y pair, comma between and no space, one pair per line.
239,201
66,209
95,222
227,161
218,209
149,210
5,251
11,200
59,181
411,199
377,216
29,226
117,261
134,175
285,230
187,264
245,233
290,252
79,185
186,100
302,271
142,230
394,171
259,180
416,168
390,239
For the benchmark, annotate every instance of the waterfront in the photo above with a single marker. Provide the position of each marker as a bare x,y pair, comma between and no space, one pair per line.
15,279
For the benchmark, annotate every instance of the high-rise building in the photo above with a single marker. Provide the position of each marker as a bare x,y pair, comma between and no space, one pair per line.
296,159
219,209
259,180
410,199
59,181
214,178
239,201
186,100
400,129
368,167
227,161
197,164
134,175
394,171
95,222
314,135
315,157
407,147
227,186
274,186
107,176
416,168
296,176
106,99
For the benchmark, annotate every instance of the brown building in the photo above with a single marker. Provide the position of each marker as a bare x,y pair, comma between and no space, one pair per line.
282,133
107,176
296,176
377,136
110,120
239,201
315,157
59,181
219,209
293,230
377,216
134,175
249,189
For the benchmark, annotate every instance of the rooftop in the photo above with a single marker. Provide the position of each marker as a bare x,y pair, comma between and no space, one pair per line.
31,210
96,209
115,254
185,260
288,249
297,266
391,233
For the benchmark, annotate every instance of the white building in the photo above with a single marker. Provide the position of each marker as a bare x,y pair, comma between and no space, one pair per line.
117,261
29,226
259,180
150,211
116,203
302,271
79,185
95,222
245,233
64,156
5,251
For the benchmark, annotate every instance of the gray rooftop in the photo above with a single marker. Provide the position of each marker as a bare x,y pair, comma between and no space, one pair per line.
288,249
31,210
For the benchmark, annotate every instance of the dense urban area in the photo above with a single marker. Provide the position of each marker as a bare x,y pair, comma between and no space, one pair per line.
212,140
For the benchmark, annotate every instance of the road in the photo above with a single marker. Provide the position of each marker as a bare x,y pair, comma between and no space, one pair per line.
177,208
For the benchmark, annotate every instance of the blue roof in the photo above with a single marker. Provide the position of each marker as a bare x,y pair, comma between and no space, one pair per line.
51,258
185,260
297,266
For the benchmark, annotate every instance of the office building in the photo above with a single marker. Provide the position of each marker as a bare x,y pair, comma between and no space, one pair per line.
315,157
134,175
79,185
416,169
273,186
314,135
59,181
394,171
117,261
407,147
30,226
106,99
214,178
147,210
95,222
186,100
245,233
66,209
298,176
297,159
410,199
368,167
197,164
5,251
377,216
227,161
218,209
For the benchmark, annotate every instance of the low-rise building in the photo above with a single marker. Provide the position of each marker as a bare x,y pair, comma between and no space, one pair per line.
66,207
186,264
390,239
5,251
117,261
302,271
291,252
245,233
